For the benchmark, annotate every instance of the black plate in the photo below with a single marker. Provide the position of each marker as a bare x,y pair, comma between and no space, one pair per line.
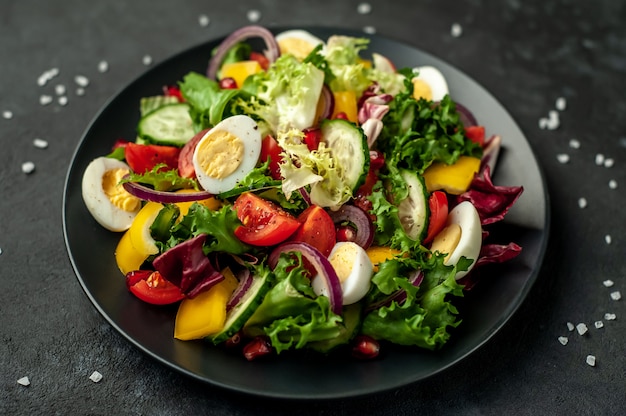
485,309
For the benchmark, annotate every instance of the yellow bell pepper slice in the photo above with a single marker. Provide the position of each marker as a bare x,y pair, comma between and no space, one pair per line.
380,254
211,203
205,314
126,256
239,71
454,179
346,102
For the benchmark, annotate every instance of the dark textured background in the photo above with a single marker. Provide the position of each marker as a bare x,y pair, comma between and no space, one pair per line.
527,53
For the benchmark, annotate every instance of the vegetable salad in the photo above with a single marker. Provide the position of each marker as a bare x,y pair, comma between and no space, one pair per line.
312,196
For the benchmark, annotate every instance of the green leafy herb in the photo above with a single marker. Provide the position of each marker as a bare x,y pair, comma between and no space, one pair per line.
162,180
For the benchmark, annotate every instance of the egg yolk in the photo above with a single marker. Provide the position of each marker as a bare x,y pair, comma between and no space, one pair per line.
446,241
421,90
299,48
220,154
116,192
343,261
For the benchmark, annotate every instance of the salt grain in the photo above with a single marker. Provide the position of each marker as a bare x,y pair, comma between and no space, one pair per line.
456,30
370,30
609,162
591,360
7,115
610,316
616,295
81,80
103,66
40,143
62,100
563,340
253,15
581,328
146,60
613,184
0,251
47,76
608,283
28,167
80,91
204,20
24,381
95,377
561,104
59,89
599,159
570,326
598,324
582,202
574,144
45,99
562,158
364,8
608,239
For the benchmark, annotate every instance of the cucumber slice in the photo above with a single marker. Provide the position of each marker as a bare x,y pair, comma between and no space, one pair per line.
413,211
240,313
348,145
169,124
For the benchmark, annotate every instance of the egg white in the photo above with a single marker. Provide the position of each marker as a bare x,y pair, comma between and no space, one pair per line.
302,36
434,79
466,217
247,131
98,203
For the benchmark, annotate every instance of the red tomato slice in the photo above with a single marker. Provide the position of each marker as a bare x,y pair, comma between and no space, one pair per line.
438,204
271,150
261,59
312,138
144,157
475,134
151,287
185,158
264,223
317,229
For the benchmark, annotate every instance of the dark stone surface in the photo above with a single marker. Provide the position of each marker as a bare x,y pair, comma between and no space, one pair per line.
526,53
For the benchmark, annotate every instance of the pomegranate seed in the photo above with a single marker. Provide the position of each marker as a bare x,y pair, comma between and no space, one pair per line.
228,84
377,160
345,233
256,348
312,138
365,347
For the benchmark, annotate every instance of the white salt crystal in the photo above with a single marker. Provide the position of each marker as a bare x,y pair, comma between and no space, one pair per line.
574,144
570,326
81,80
610,316
62,100
0,251
598,324
456,30
599,159
204,20
591,360
607,239
253,15
581,328
28,167
80,91
45,99
582,202
59,89
103,66
370,30
543,123
364,8
95,377
553,120
146,60
563,340
7,115
608,283
613,184
616,295
562,158
561,103
24,381
40,143
609,162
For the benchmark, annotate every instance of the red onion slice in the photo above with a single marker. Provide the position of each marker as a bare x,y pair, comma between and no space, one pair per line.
322,266
148,194
359,220
245,281
271,53
329,103
465,115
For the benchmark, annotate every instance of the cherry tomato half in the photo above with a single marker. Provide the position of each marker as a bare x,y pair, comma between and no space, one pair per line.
151,287
317,229
264,223
438,204
143,157
475,134
185,158
312,138
271,150
261,59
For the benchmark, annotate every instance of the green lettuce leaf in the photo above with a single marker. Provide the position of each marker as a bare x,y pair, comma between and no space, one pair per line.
162,180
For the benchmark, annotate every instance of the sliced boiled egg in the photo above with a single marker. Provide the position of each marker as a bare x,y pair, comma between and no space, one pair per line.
227,153
429,83
461,237
354,270
106,199
298,43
